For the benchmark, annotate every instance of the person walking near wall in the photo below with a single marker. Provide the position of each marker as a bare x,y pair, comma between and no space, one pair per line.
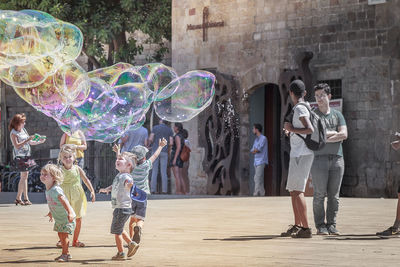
328,166
301,158
260,151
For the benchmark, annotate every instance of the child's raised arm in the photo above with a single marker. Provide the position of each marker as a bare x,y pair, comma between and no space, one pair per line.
87,183
116,148
67,207
161,143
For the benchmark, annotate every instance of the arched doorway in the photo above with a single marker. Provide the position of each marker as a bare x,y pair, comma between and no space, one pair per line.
265,109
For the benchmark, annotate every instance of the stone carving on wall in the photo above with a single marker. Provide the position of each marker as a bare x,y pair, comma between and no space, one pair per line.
286,77
219,134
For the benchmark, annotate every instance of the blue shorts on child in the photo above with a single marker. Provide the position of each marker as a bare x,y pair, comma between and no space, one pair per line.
139,209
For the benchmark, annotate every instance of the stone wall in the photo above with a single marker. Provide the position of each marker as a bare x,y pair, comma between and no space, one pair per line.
351,40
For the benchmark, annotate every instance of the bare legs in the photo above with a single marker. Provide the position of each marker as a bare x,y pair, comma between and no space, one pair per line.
23,186
77,230
185,176
64,242
397,221
134,221
179,181
398,208
118,240
299,208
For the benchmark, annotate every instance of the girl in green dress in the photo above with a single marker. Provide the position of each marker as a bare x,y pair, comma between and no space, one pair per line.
60,209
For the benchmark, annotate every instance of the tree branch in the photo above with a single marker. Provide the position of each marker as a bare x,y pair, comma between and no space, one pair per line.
92,59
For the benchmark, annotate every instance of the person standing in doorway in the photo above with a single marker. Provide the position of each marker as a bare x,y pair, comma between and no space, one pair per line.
328,166
134,138
159,132
260,151
301,158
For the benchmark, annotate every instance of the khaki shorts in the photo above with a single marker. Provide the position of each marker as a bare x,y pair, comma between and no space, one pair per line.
299,171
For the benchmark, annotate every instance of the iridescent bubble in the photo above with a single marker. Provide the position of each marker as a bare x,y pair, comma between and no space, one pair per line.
159,76
37,58
194,93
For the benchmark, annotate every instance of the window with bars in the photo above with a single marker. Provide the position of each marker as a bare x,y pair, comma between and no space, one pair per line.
336,87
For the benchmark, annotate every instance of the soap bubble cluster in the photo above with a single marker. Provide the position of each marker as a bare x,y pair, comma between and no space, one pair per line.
37,58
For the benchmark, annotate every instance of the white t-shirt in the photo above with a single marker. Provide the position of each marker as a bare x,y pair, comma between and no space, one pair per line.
297,145
120,194
24,150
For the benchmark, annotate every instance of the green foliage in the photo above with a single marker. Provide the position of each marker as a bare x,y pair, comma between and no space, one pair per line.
107,24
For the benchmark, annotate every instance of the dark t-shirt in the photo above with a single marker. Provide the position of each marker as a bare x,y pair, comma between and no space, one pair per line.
161,131
332,120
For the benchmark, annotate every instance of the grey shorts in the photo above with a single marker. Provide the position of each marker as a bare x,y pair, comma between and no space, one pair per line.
120,216
139,209
299,171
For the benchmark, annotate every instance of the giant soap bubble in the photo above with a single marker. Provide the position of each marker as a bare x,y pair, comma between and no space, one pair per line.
37,58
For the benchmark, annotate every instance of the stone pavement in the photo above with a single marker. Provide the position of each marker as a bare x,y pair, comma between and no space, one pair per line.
235,231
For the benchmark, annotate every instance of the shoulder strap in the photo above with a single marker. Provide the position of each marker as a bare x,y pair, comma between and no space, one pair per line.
309,110
303,104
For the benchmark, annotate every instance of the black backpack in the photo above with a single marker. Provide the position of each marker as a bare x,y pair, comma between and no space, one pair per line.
317,139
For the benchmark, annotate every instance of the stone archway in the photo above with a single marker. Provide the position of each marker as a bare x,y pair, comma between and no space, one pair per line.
264,108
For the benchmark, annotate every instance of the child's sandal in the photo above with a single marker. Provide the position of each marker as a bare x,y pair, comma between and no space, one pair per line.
59,245
78,244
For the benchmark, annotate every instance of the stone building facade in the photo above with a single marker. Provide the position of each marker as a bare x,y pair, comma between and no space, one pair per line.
352,44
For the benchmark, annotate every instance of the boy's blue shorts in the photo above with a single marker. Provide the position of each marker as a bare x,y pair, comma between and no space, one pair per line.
139,209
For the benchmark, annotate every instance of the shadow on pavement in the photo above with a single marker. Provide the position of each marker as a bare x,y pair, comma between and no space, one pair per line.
54,247
362,237
245,238
49,261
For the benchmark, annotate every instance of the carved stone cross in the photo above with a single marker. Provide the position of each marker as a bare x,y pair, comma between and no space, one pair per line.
205,25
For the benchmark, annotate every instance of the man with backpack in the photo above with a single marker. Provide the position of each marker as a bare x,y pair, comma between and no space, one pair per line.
299,127
260,151
328,166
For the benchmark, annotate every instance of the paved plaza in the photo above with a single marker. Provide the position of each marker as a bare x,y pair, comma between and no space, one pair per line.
235,231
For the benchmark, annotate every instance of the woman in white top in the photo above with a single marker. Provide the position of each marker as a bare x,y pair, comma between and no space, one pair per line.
21,154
